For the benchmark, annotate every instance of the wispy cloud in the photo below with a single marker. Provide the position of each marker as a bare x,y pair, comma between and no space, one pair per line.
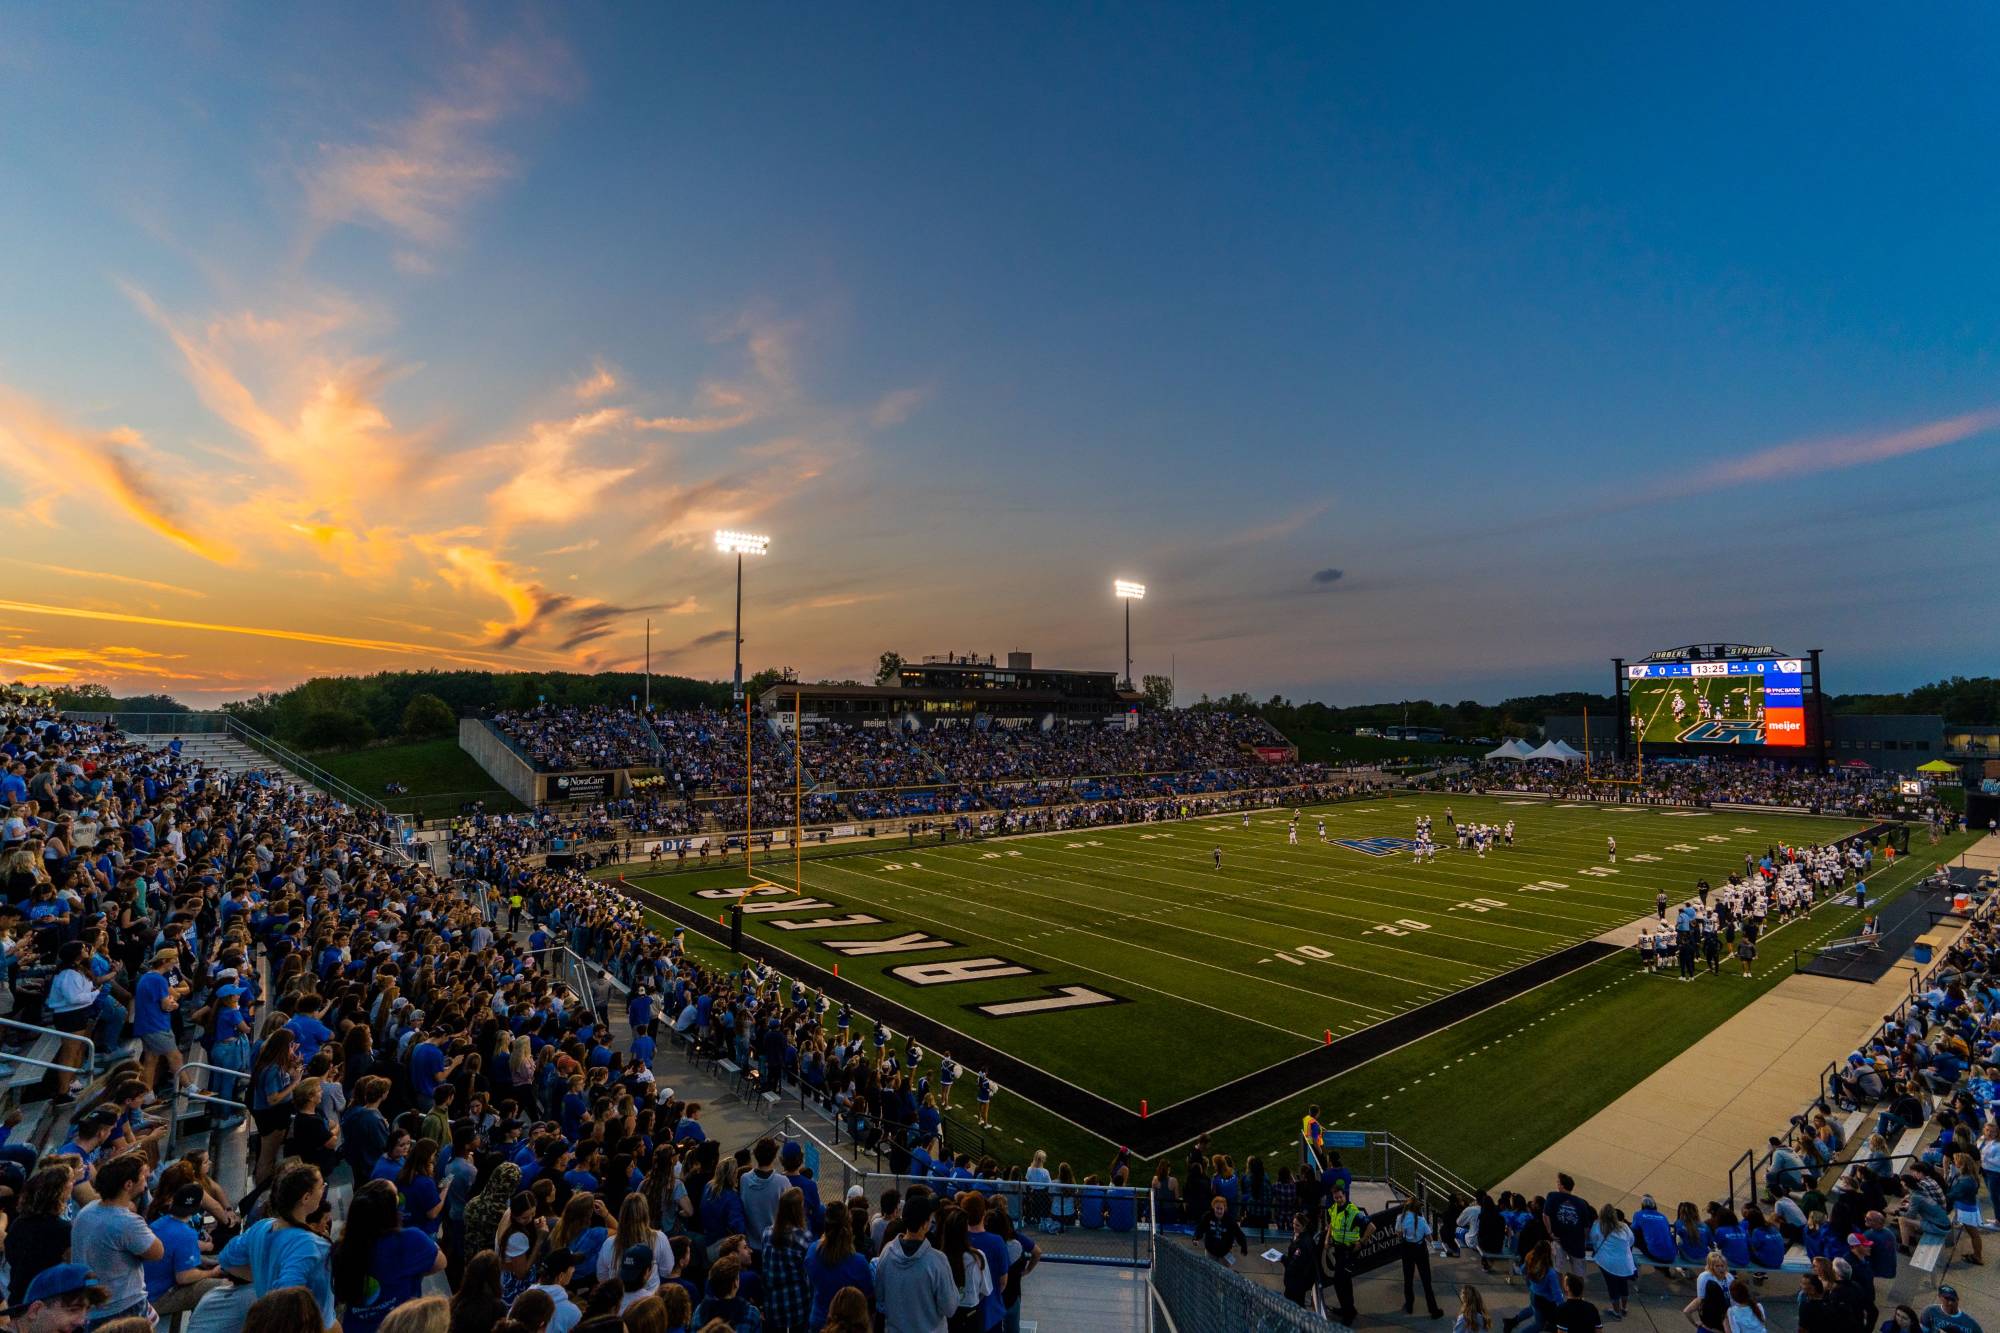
549,484
596,384
113,659
1329,576
254,631
469,568
109,466
1831,454
695,425
413,177
893,409
125,579
707,640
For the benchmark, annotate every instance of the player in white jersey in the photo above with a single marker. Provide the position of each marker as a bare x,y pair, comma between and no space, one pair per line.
1611,849
1246,819
1510,833
1292,834
1322,830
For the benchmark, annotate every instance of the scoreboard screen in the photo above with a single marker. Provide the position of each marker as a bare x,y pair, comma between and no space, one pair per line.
1736,702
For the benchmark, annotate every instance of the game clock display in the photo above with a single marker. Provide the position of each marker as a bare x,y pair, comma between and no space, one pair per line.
1754,702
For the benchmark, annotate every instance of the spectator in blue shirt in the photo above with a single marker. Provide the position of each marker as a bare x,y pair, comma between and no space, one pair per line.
307,1030
178,1278
390,1164
428,1068
689,1130
154,998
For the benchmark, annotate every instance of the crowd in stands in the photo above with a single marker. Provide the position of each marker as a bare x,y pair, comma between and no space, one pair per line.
423,1096
556,739
1844,791
854,772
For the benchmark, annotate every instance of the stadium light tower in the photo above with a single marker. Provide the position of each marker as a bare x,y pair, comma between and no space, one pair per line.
1128,592
740,544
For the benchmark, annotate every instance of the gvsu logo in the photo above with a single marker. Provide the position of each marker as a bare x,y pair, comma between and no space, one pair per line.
1375,846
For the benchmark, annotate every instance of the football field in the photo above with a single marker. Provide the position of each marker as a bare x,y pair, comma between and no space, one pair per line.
1092,969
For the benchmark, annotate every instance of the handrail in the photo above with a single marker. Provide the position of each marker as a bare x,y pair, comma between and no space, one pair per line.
581,981
183,1090
298,763
89,1048
229,725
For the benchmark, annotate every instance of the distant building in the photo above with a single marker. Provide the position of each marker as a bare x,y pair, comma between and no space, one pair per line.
1603,746
1899,742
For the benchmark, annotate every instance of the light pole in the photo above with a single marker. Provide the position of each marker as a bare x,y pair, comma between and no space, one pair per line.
1128,592
740,544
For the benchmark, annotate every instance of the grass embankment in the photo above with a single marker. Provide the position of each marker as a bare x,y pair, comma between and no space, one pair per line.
440,776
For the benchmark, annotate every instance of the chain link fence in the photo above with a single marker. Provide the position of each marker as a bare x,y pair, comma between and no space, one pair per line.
1192,1293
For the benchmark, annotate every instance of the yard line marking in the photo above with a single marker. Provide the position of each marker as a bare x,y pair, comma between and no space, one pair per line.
1319,997
1017,869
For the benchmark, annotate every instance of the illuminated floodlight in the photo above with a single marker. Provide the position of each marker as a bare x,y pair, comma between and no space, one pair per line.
740,543
1127,588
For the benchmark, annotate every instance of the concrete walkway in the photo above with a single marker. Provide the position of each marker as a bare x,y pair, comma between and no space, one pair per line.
1676,1135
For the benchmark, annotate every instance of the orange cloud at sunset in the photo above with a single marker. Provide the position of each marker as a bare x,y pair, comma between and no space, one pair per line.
107,468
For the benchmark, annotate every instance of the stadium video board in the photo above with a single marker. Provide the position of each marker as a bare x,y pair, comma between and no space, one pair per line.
1757,701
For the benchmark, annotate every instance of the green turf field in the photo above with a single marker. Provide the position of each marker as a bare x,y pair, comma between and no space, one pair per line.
1217,972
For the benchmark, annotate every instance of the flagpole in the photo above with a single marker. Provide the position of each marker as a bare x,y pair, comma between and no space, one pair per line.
649,666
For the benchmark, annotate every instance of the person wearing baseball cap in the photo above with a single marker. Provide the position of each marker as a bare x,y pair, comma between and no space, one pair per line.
1946,1316
59,1300
174,1281
639,1274
556,1269
154,999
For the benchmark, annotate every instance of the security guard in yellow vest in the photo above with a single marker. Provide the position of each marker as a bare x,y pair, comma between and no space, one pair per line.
514,905
1347,1229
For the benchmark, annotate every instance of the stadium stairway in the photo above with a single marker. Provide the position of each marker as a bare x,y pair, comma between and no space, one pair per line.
221,751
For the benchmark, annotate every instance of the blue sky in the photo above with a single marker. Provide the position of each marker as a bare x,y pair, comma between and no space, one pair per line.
361,337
